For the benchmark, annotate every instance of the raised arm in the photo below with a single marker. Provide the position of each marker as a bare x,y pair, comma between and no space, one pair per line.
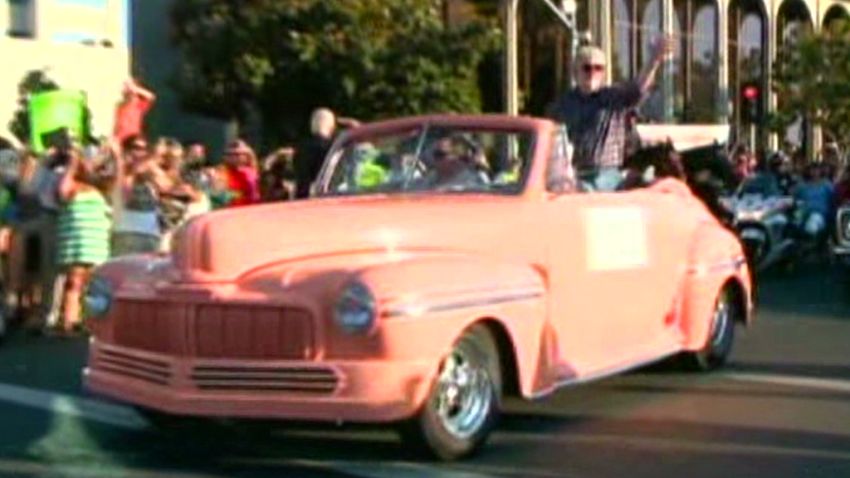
140,91
663,49
67,187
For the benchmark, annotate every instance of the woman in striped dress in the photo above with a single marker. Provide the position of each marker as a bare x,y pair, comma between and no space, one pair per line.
83,236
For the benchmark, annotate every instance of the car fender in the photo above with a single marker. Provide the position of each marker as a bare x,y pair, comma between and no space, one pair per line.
438,298
717,258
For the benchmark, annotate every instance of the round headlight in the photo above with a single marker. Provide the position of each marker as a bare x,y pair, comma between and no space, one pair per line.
98,297
355,309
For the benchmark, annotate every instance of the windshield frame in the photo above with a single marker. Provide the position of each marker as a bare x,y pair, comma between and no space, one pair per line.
422,128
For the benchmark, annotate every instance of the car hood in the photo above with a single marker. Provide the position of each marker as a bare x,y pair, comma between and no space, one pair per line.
228,244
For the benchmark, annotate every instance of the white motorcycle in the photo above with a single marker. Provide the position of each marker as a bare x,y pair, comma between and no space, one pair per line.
764,225
841,236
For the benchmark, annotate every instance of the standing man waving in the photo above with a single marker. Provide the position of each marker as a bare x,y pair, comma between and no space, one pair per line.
596,114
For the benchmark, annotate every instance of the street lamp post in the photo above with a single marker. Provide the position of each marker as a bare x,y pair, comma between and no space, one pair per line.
566,12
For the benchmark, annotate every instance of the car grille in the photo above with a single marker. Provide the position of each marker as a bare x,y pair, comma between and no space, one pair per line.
212,331
308,380
146,369
241,332
157,327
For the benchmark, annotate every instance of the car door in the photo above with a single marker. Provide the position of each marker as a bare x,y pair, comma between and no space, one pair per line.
610,279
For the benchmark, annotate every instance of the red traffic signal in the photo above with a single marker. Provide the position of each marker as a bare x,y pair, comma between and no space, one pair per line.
751,92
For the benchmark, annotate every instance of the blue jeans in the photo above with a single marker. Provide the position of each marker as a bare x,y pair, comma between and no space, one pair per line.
606,179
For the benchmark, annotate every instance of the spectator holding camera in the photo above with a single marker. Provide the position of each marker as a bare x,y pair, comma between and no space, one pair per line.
135,198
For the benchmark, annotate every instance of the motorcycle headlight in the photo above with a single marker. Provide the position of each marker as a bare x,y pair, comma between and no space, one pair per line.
98,298
751,215
355,310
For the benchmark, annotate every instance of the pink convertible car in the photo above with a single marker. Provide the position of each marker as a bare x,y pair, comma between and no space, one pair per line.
447,262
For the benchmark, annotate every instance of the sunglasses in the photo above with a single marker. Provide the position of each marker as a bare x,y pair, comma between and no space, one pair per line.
593,68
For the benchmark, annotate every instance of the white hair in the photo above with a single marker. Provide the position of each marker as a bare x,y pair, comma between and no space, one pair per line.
317,120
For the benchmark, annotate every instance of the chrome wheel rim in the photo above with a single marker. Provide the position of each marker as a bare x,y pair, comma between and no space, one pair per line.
464,395
720,322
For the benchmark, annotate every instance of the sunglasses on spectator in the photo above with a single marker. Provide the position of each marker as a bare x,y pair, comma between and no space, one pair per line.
597,68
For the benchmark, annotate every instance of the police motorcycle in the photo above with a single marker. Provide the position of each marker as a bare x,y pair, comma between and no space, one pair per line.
840,244
764,223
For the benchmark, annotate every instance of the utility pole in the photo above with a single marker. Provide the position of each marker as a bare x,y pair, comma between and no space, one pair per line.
512,56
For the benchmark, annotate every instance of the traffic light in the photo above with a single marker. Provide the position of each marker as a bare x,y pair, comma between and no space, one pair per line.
751,102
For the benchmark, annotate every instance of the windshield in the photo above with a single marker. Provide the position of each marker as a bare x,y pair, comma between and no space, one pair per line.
432,159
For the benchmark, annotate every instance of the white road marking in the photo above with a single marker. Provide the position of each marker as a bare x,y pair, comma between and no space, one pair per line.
90,409
830,384
127,418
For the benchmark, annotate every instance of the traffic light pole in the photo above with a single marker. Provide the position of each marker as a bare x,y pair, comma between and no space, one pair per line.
511,56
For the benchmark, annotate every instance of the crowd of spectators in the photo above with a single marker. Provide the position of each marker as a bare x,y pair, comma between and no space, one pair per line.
72,208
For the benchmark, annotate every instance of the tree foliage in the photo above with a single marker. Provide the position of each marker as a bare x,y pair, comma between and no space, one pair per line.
363,58
812,78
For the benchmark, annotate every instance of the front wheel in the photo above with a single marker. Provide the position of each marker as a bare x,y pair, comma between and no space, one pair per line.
463,405
721,335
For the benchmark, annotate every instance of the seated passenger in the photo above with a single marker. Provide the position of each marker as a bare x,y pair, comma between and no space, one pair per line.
450,170
369,172
651,164
816,197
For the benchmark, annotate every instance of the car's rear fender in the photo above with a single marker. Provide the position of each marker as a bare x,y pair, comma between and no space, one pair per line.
717,261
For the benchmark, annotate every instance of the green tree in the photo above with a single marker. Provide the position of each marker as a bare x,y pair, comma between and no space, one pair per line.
364,58
812,78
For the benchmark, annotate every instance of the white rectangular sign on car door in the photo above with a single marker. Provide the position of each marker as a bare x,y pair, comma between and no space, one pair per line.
616,238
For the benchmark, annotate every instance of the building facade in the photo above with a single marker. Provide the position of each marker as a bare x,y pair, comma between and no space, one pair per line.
723,46
81,44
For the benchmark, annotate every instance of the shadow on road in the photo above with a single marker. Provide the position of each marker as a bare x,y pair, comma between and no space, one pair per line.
815,289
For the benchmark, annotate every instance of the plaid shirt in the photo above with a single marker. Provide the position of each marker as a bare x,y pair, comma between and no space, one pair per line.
596,124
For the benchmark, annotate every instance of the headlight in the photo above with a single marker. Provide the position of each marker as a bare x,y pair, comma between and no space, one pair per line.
98,297
355,309
755,215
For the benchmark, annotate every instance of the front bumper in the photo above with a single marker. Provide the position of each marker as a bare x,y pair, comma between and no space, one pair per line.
352,391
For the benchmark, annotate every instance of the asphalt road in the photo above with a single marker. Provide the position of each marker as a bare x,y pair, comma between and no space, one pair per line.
780,409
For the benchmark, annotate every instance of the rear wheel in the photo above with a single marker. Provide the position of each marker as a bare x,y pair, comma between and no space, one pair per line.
463,405
721,334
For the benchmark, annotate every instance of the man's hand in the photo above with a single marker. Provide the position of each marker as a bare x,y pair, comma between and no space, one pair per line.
663,48
346,122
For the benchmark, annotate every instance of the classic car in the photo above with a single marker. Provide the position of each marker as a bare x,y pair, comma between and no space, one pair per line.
446,262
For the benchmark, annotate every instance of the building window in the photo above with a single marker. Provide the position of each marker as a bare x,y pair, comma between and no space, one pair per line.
21,18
